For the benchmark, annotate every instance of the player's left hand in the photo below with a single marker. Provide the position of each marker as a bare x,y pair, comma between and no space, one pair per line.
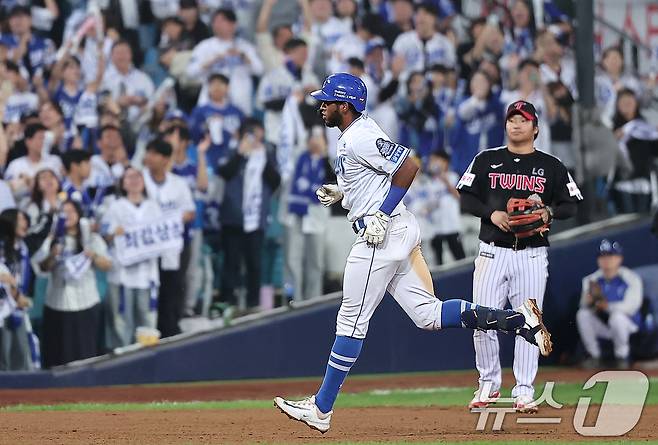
375,230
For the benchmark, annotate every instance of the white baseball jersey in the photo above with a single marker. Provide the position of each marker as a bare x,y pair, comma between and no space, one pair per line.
133,83
366,160
235,67
123,213
566,75
624,295
278,84
349,45
439,49
23,166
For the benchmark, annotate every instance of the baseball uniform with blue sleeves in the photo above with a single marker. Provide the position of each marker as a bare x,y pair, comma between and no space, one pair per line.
624,296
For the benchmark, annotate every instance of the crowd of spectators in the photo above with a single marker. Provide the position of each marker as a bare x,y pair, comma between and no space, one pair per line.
122,114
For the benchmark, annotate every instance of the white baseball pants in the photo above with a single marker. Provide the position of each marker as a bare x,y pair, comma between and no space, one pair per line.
399,267
618,329
503,275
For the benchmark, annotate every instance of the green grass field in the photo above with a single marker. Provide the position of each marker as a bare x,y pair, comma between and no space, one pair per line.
564,393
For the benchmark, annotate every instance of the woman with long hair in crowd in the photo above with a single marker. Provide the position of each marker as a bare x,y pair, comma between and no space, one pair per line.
16,338
638,139
69,257
41,206
133,289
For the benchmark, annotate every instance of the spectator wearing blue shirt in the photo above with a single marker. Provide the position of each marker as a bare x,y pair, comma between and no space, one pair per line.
419,117
78,168
479,123
77,101
219,118
29,51
609,305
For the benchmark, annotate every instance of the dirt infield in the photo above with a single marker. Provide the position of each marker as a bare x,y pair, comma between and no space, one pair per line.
261,389
269,426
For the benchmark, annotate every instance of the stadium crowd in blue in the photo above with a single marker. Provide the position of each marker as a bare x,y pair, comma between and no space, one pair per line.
119,115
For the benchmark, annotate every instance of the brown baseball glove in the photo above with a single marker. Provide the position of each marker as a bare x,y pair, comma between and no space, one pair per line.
523,221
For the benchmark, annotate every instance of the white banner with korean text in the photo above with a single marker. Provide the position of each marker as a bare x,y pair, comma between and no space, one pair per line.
149,240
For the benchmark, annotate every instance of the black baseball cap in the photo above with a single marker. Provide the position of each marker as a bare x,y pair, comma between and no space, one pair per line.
525,109
19,10
188,4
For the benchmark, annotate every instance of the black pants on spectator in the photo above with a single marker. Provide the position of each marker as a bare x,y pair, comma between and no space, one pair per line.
241,248
171,296
69,335
454,243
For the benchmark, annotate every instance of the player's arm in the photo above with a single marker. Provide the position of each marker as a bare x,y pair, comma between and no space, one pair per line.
401,179
567,196
470,194
400,183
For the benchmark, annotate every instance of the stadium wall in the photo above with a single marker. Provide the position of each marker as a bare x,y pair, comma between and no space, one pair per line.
296,343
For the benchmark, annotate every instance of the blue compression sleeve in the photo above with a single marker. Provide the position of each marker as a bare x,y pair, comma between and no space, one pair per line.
395,195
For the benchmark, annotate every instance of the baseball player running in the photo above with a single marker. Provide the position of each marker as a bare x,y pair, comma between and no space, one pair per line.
373,176
516,190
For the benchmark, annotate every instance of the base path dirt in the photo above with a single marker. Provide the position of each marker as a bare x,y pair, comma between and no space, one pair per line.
269,426
264,389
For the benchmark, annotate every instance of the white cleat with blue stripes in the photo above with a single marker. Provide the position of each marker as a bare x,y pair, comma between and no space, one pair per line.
305,411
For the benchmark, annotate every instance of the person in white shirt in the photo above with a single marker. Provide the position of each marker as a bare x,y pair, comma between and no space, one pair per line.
174,196
6,198
612,79
555,63
270,43
326,30
133,289
69,257
112,152
232,56
610,304
130,87
353,44
424,46
446,214
306,220
434,200
21,101
278,84
21,171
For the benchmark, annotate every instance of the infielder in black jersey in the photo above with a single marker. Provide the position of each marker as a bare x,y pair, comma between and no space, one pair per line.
512,264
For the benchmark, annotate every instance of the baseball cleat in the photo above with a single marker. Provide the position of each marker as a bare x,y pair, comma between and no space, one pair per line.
525,405
534,330
305,411
482,402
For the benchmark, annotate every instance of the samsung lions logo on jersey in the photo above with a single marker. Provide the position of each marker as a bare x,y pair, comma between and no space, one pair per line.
389,150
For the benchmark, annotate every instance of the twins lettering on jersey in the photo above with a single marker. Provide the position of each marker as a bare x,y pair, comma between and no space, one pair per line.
514,181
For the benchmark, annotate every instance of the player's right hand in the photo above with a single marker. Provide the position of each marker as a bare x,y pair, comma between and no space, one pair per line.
329,194
501,220
375,230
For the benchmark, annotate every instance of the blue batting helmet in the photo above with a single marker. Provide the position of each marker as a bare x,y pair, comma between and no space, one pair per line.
343,87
